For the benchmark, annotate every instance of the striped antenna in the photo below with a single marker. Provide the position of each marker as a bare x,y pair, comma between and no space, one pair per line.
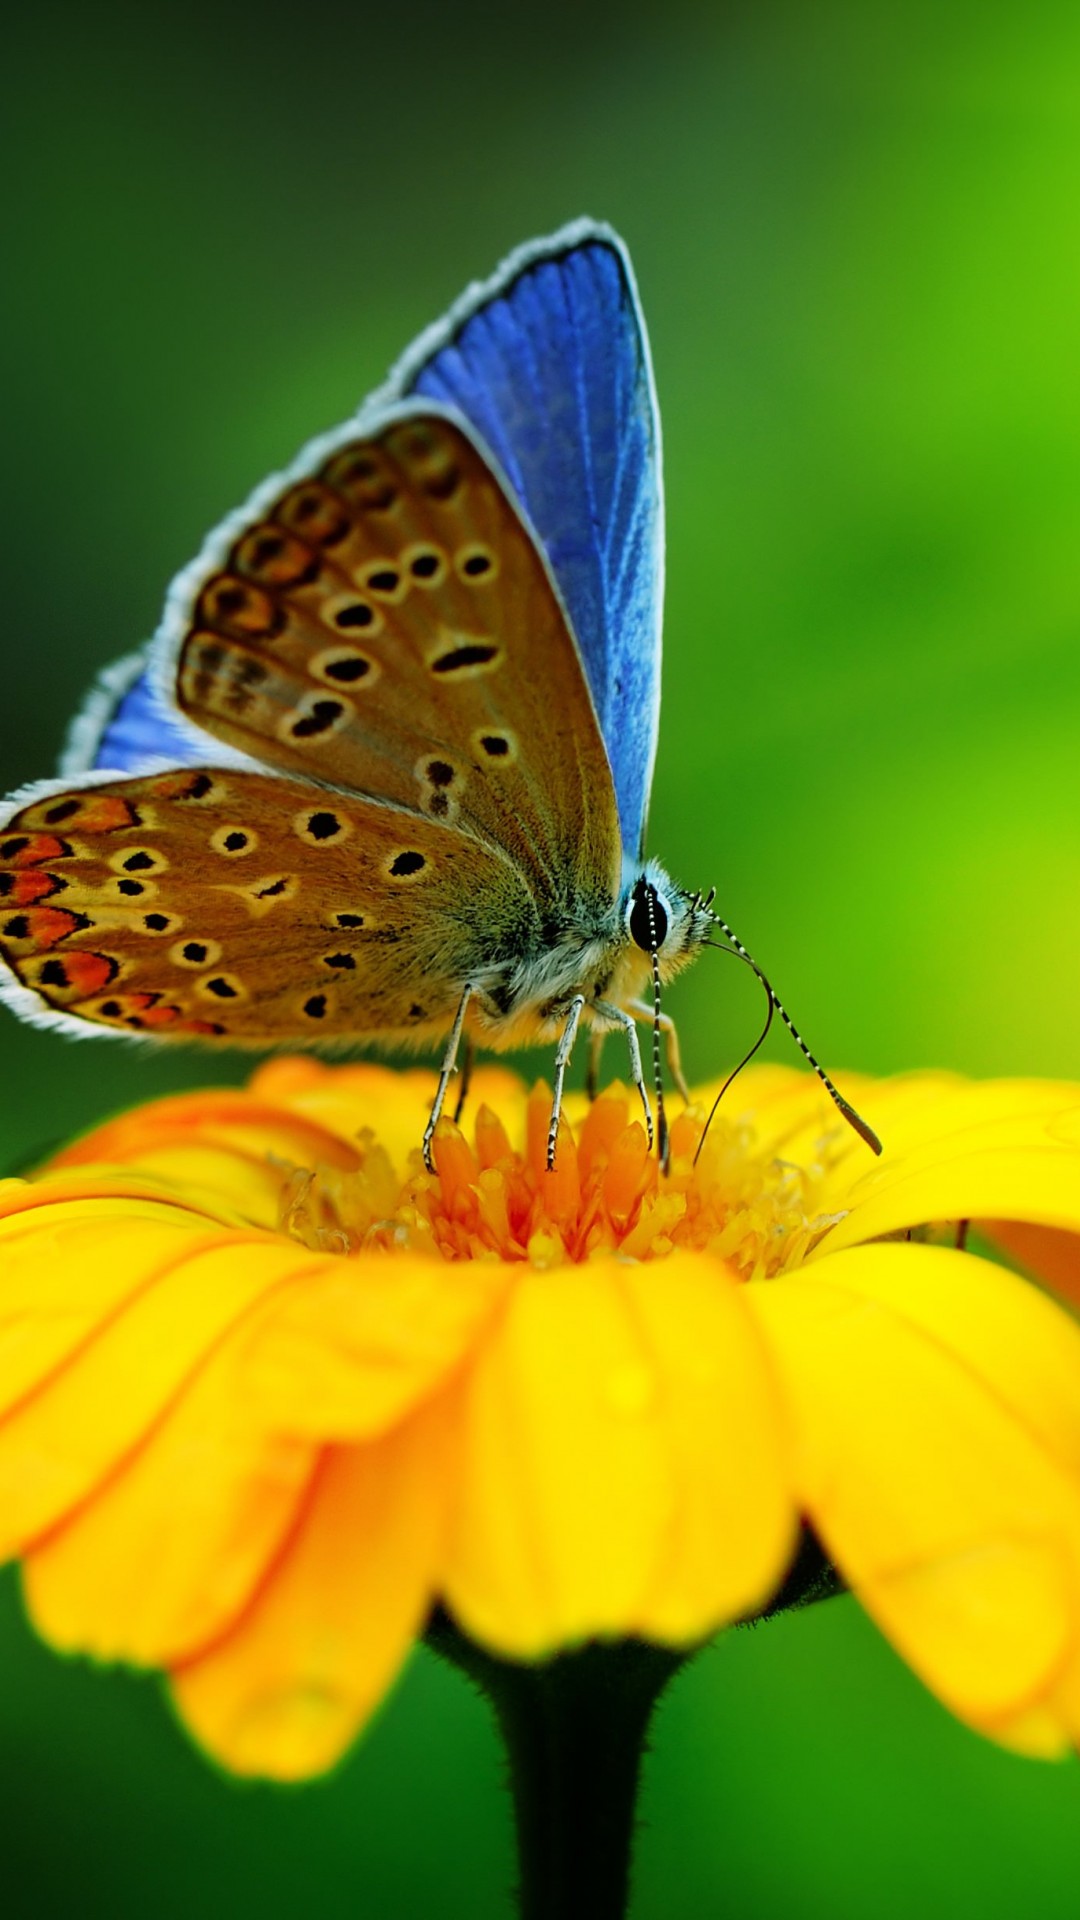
663,1138
855,1120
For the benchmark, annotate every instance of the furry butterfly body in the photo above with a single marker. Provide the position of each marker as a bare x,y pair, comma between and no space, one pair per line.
384,771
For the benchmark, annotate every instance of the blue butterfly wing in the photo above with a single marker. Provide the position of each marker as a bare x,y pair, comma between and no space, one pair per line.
122,727
549,363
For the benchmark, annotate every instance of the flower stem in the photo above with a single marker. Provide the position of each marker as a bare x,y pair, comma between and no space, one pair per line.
574,1730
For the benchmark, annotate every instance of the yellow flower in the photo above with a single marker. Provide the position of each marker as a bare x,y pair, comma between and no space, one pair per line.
269,1391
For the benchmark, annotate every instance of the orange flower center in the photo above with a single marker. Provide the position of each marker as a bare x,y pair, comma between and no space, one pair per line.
606,1194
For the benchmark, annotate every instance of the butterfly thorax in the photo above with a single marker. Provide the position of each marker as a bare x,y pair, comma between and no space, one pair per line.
600,953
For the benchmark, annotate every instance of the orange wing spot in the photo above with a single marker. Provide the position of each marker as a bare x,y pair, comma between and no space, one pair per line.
188,786
34,850
22,889
274,558
203,1026
314,512
236,607
364,475
165,1016
85,813
44,927
124,1006
75,976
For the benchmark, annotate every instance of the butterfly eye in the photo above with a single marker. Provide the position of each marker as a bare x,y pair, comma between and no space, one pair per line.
648,922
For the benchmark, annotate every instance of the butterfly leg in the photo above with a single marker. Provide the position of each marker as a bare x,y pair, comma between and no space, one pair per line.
449,1068
562,1060
468,1060
592,1071
619,1018
667,1027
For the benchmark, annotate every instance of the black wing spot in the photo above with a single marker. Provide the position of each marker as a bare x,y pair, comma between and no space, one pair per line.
439,805
323,826
270,892
220,988
10,849
54,974
352,666
315,1007
111,1009
476,564
349,919
495,744
424,566
62,811
157,922
130,887
322,715
444,485
345,961
195,951
440,773
404,864
17,928
473,655
137,862
358,615
200,785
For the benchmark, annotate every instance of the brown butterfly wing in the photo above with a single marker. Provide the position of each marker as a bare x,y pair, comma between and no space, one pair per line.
241,907
389,626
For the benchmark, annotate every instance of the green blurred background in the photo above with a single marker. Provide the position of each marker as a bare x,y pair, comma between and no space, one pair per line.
855,230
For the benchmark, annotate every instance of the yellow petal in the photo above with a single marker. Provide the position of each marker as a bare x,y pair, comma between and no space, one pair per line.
365,1340
932,1483
345,1100
289,1688
163,1556
1005,1151
998,1328
563,1491
67,1267
61,1442
222,1148
733,1523
584,1503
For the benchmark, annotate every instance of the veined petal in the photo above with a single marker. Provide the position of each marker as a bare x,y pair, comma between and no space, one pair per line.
733,1519
346,1100
932,1467
365,1340
1011,1152
220,1145
288,1689
577,1510
69,1263
163,1557
59,1444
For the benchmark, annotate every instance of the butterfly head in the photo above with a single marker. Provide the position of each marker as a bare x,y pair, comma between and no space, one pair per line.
666,927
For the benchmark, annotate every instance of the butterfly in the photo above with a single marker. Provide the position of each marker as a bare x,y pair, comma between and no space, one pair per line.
384,770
